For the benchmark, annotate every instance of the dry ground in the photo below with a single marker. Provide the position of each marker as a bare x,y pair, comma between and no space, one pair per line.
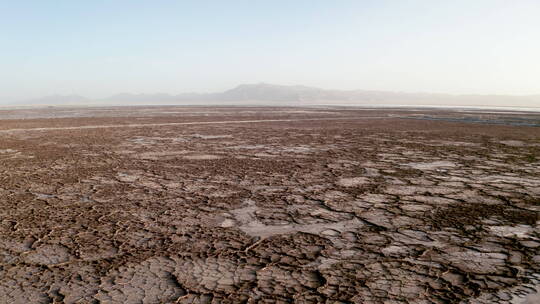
268,205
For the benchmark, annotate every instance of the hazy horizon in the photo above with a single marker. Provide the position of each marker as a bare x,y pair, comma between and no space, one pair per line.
96,50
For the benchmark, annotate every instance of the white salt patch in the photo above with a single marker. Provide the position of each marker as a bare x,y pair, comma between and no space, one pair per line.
202,157
513,143
432,165
353,181
520,231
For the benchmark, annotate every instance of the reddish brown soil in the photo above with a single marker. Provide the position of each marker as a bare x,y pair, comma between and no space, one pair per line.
175,205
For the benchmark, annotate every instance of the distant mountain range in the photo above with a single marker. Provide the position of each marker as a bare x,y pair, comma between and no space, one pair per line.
270,94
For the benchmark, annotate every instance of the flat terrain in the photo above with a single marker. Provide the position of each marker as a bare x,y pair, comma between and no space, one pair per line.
269,205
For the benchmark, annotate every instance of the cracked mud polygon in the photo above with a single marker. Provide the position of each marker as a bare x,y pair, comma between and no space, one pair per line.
268,205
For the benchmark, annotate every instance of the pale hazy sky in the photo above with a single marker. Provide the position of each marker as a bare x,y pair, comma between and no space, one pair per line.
97,48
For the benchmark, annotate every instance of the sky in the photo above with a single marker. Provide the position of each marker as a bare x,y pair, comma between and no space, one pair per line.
99,48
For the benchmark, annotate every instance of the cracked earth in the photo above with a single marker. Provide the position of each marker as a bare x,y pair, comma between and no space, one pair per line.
268,205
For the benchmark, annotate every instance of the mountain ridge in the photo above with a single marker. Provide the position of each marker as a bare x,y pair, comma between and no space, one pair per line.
272,94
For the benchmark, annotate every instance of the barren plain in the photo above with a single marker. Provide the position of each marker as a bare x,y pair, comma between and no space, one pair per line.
269,205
